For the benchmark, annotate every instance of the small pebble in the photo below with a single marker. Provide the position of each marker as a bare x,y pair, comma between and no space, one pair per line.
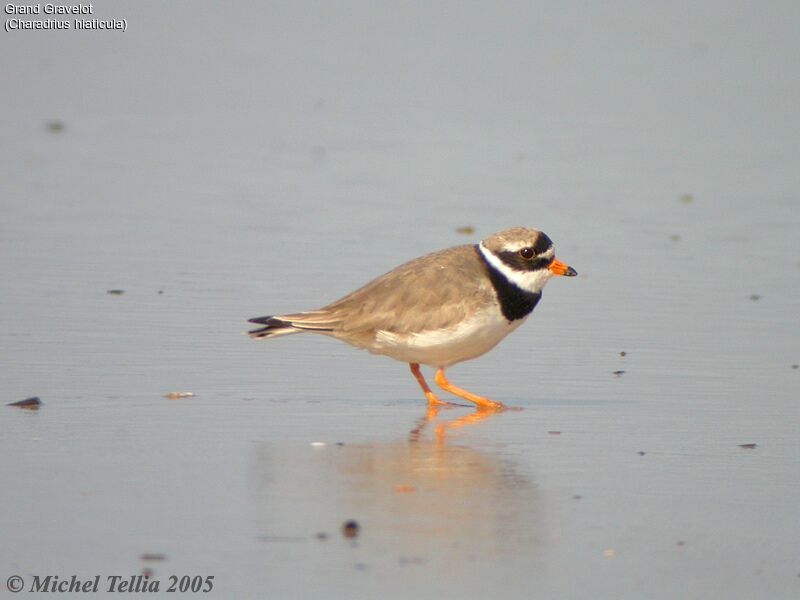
465,230
623,354
748,446
796,366
115,292
321,535
404,487
618,373
755,297
350,529
178,395
153,556
55,126
32,403
641,453
577,497
681,543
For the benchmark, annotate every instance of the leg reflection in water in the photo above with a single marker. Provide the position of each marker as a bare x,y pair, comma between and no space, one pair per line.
432,413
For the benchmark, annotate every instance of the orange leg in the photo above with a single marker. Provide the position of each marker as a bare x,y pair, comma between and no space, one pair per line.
432,399
480,401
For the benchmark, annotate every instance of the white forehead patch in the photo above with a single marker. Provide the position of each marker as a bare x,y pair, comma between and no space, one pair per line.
515,246
531,281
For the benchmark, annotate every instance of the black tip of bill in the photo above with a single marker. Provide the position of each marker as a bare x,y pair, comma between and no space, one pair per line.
570,272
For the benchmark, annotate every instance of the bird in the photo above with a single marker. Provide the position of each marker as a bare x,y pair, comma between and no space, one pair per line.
439,309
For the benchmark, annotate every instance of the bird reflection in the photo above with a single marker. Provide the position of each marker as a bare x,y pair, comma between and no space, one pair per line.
437,497
441,428
430,498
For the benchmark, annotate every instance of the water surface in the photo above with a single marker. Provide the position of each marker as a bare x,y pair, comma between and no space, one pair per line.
217,167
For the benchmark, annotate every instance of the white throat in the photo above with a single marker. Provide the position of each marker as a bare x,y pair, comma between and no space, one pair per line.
531,281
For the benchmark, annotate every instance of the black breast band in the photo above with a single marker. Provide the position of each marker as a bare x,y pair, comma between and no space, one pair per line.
515,303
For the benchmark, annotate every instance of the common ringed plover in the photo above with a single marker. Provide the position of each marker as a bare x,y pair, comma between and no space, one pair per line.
439,309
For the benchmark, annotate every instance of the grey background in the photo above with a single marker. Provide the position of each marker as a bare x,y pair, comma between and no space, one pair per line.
256,158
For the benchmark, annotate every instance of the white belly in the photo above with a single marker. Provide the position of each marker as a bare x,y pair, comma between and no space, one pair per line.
445,347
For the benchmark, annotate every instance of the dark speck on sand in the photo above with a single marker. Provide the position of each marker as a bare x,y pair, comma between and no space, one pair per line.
350,529
55,126
32,403
153,556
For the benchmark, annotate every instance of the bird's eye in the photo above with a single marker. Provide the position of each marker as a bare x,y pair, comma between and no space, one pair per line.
526,253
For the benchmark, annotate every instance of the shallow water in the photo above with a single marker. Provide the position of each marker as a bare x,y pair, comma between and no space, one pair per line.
218,177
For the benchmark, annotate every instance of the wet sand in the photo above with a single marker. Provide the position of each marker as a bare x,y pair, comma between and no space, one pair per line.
218,178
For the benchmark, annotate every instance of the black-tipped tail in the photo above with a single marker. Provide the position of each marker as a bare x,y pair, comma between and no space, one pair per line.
271,321
273,326
315,321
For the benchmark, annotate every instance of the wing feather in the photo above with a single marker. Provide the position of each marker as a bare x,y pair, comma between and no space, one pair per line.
432,292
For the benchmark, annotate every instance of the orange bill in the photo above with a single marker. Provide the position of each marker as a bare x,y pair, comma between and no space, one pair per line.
558,268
